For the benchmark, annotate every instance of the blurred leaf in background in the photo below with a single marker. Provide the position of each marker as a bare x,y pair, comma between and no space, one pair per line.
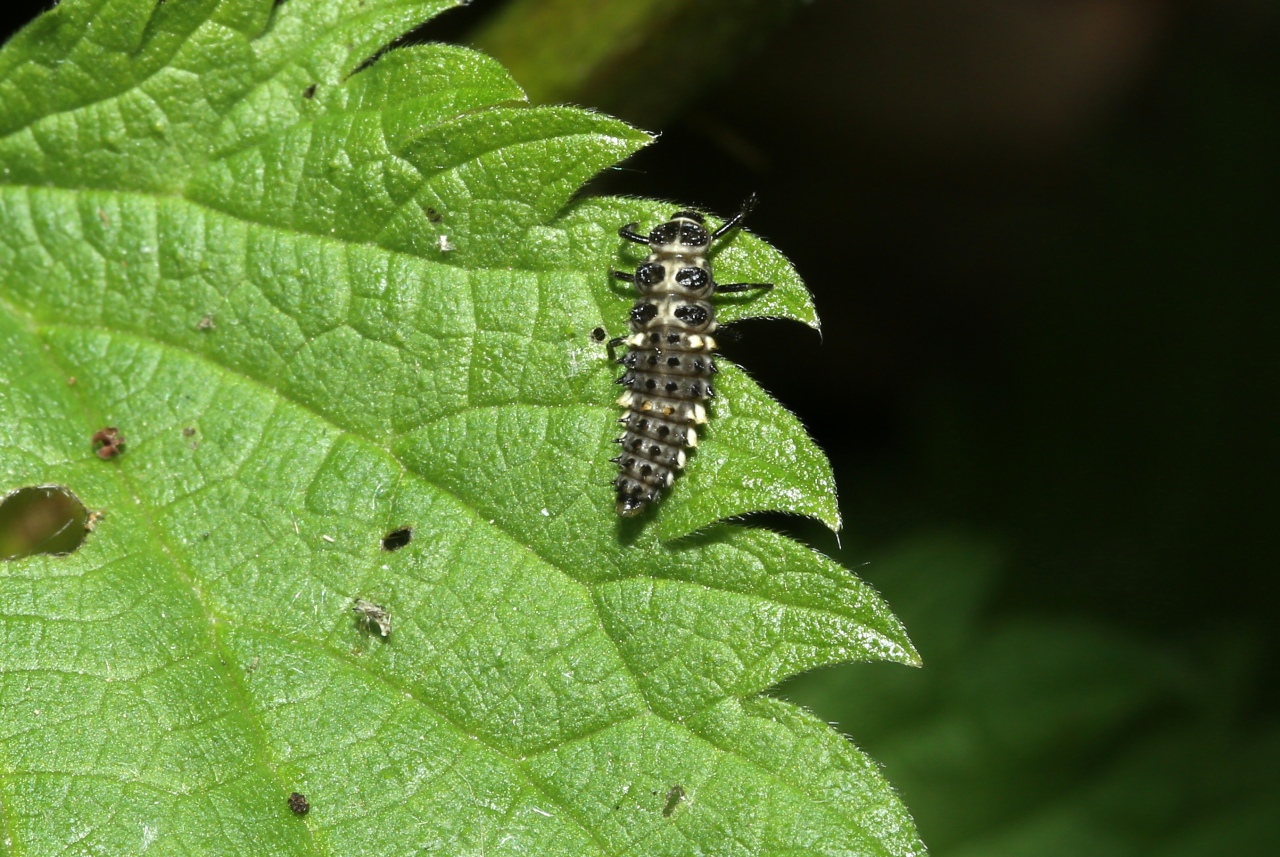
1027,734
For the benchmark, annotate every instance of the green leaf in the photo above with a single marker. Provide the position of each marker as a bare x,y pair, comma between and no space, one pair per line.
325,297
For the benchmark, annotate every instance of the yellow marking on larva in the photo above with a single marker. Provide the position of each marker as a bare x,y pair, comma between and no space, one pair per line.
691,437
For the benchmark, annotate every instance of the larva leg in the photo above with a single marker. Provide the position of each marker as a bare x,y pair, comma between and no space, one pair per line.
628,232
726,288
736,219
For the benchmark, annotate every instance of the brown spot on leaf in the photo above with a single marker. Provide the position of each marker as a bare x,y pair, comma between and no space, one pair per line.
108,442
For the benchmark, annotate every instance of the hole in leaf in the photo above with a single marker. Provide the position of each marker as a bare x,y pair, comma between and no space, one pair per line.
41,519
397,539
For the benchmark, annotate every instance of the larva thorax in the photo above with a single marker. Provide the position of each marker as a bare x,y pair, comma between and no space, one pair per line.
670,360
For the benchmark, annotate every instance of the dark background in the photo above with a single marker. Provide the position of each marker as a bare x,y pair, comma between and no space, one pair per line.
1042,235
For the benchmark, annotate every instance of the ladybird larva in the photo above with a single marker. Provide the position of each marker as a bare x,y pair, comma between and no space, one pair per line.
671,353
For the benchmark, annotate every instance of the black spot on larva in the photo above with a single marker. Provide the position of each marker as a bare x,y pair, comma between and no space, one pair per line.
643,313
650,274
693,278
599,333
692,314
681,246
43,519
667,233
397,539
693,235
298,804
309,92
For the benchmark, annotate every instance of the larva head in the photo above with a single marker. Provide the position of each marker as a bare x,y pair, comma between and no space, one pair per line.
684,234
